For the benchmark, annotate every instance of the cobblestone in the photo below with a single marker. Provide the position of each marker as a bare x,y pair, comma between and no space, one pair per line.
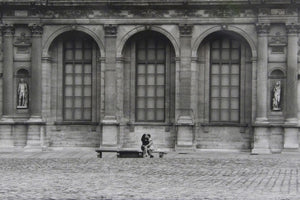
67,175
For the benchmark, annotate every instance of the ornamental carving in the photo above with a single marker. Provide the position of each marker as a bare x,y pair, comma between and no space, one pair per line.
8,29
292,28
185,29
277,39
23,43
262,28
36,29
110,30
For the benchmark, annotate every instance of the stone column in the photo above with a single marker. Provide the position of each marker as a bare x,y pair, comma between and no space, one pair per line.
291,131
185,134
36,72
110,126
46,87
8,71
261,132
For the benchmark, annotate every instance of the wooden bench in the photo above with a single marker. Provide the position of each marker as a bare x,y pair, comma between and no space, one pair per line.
127,153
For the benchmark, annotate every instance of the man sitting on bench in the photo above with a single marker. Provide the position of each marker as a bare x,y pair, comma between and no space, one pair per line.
147,145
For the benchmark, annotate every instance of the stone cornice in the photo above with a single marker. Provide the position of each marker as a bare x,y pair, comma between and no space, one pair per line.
262,28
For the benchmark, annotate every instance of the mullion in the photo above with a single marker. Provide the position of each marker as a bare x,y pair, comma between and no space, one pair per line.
146,81
220,78
155,80
230,71
82,78
73,77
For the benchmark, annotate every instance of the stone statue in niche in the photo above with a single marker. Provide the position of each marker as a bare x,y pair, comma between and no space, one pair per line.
22,94
276,96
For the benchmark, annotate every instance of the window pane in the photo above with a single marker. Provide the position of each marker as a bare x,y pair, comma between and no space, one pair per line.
235,54
225,54
160,91
87,54
225,69
69,79
215,54
140,103
235,69
87,91
78,102
151,43
77,114
160,103
235,80
234,104
69,68
150,80
140,114
215,115
69,54
87,68
215,92
141,91
78,68
161,54
215,103
216,44
215,80
160,114
150,103
224,92
141,69
150,68
215,69
150,114
225,104
87,80
78,54
69,44
68,102
68,114
141,54
68,91
150,91
225,80
151,54
235,44
78,44
225,43
78,80
234,92
141,80
160,80
87,103
78,91
160,69
141,44
234,115
87,114
224,115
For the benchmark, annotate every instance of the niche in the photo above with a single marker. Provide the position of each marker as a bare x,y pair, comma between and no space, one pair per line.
22,89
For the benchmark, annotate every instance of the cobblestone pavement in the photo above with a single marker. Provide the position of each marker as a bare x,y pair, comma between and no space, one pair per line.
67,175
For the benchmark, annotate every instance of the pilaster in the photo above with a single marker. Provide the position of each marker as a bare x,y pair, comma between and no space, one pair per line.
8,32
291,142
110,125
185,121
36,72
261,132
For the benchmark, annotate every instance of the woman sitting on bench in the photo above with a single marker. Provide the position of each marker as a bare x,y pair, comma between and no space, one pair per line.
147,145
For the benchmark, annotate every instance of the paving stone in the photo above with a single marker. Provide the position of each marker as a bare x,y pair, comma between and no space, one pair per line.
81,175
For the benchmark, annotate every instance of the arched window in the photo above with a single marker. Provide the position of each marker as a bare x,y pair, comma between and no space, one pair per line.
77,78
225,69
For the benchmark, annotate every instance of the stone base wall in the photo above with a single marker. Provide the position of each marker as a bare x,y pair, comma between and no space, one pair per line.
225,138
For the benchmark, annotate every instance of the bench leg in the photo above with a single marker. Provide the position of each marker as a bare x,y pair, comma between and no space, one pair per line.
161,154
99,155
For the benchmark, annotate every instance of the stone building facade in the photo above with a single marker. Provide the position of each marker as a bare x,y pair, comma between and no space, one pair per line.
195,74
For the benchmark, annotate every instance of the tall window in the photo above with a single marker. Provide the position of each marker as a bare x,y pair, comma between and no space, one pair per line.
77,81
225,62
150,79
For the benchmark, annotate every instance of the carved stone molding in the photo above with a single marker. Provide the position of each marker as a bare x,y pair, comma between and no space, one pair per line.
36,29
8,29
185,29
292,28
110,30
263,28
278,40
